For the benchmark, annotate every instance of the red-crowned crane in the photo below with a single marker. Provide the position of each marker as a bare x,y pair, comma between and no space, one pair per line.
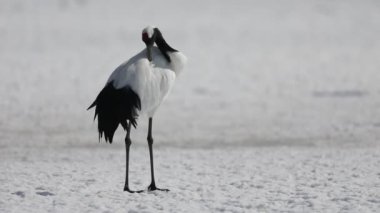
138,86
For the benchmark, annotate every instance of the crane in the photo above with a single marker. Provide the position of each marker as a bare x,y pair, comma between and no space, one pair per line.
138,86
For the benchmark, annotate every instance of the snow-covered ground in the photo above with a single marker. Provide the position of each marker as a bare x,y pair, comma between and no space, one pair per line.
200,180
278,109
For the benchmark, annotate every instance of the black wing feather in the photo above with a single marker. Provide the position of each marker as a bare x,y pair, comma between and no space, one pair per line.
114,107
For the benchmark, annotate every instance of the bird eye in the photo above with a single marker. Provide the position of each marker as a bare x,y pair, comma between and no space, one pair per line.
145,37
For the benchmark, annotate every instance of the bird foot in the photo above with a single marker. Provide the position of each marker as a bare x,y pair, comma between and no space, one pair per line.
126,189
152,187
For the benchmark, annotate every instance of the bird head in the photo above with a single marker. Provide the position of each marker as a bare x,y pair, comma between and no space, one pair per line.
149,35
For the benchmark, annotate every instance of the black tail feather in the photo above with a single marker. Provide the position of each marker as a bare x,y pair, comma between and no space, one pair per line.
114,107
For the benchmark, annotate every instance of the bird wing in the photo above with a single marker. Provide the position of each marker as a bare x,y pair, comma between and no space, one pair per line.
132,74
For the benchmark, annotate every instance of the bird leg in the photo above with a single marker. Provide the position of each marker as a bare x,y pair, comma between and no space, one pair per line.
128,143
152,186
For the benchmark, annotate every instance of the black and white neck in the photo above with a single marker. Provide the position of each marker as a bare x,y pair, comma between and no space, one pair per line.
162,45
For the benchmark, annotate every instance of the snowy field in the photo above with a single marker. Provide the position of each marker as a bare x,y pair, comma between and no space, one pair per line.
200,180
277,110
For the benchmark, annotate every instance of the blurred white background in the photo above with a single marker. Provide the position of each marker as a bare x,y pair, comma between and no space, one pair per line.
260,72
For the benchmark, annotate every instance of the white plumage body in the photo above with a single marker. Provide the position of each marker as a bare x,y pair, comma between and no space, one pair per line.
150,80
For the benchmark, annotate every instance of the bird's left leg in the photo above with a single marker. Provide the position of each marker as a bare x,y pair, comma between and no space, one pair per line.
152,186
128,143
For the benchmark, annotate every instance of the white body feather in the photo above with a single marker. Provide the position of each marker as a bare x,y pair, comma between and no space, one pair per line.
151,81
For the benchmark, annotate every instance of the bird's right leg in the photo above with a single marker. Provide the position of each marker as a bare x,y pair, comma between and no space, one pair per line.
128,143
152,186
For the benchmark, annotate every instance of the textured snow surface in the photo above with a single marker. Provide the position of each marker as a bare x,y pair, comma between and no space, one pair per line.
277,110
200,180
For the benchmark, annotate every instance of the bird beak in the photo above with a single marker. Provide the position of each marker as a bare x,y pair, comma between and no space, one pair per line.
149,51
